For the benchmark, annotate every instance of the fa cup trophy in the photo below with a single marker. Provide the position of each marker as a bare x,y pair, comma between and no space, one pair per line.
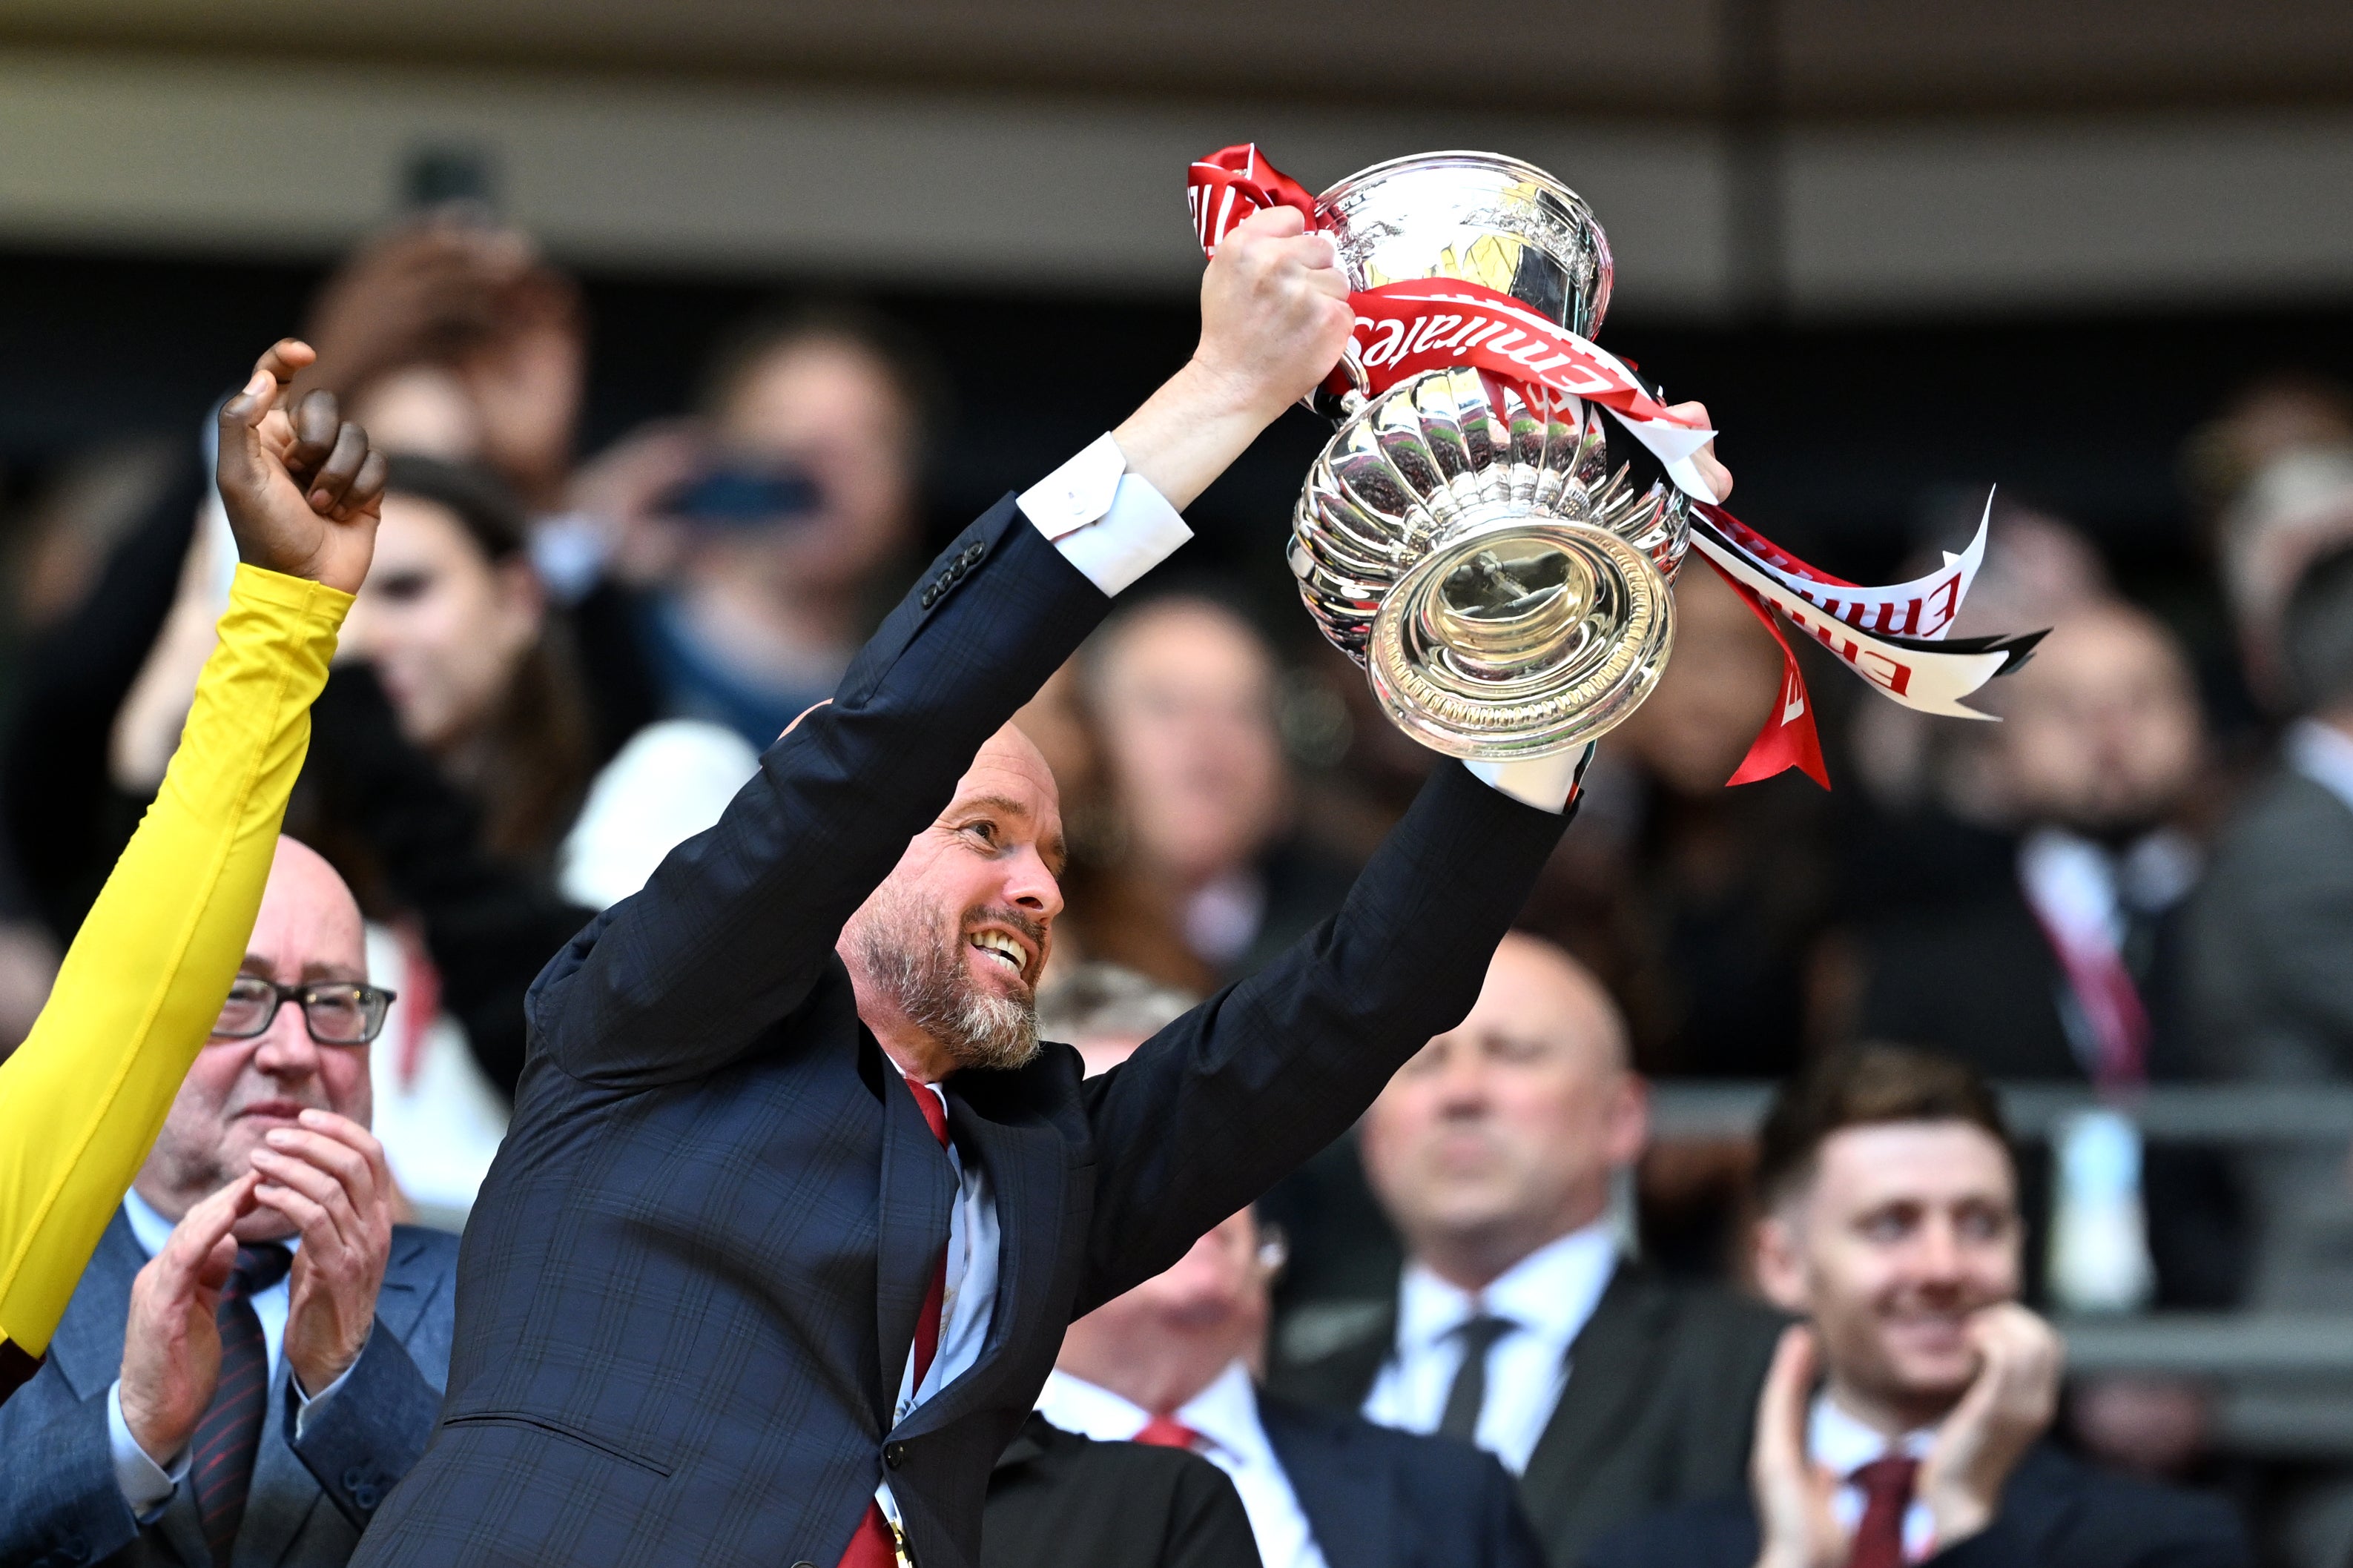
1463,536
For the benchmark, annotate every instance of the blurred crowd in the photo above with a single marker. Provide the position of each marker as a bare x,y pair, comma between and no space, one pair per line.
562,664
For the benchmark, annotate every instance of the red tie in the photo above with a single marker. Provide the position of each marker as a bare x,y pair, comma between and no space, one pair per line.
1886,1494
873,1545
1166,1432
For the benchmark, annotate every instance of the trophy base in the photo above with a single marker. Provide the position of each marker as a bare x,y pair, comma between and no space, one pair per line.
1521,636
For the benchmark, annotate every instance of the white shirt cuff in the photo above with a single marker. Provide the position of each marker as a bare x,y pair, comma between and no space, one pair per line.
305,1403
1109,523
1545,782
146,1485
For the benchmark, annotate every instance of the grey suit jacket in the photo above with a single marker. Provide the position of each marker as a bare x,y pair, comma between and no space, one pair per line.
1660,1405
2270,942
60,1502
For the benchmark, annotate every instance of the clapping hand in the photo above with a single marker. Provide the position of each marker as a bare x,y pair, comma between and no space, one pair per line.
2009,1405
1794,1517
329,1177
171,1344
302,490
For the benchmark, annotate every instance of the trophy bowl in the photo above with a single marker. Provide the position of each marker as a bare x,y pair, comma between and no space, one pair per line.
1508,596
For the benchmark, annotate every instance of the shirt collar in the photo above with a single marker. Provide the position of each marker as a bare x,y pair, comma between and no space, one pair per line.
2323,753
1842,1444
1550,1292
1225,1414
152,1230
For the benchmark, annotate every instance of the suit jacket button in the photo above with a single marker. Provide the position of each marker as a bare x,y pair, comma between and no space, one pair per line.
930,595
368,1496
355,1476
972,552
895,1455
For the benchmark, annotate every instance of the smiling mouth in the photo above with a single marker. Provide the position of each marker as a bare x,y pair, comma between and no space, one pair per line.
997,946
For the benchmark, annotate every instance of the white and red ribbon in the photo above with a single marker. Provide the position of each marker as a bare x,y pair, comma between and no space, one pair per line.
1893,637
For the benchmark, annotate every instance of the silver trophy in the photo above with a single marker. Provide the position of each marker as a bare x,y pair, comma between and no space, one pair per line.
1507,594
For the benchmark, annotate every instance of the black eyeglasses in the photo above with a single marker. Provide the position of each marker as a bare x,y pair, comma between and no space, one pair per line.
337,1012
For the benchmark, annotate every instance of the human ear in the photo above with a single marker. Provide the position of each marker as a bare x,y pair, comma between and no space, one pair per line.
1781,1263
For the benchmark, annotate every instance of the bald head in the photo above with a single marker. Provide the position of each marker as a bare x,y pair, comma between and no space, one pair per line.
1501,1135
309,933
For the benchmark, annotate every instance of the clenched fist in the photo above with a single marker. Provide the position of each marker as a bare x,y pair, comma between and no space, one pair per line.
1274,311
302,488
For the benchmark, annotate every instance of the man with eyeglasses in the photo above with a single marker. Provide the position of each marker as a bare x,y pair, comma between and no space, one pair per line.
186,1418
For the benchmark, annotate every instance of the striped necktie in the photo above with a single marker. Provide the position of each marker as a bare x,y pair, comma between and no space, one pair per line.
228,1435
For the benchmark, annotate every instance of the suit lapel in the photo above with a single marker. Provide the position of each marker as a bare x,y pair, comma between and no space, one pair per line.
1609,1364
1027,1173
916,1195
1345,1497
87,1346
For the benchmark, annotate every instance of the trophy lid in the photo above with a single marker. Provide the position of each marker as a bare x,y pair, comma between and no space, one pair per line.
1478,217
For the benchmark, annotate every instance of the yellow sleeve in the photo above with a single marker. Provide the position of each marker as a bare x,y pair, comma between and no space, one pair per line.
83,1098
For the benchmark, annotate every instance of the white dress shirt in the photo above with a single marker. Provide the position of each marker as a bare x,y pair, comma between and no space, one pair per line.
1842,1445
1546,1296
1225,1414
147,1486
2323,753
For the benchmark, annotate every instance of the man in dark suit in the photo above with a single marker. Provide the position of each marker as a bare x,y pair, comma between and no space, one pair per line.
2272,946
795,1209
1169,1363
1890,1223
1060,1500
1515,1323
256,1352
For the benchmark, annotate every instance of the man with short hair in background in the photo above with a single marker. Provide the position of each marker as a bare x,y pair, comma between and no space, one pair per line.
1517,1324
256,1353
1890,1224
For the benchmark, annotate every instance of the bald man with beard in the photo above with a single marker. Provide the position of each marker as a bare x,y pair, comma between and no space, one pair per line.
795,1207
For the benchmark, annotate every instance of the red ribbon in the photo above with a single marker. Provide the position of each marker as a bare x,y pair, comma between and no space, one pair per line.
1406,327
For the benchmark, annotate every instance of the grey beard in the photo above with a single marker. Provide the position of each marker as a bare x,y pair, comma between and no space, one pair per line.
925,977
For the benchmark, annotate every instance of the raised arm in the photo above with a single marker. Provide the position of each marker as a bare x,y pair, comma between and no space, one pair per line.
730,931
82,1099
1209,1113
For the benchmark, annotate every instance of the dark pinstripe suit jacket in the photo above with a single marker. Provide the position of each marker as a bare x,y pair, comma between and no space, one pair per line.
690,1282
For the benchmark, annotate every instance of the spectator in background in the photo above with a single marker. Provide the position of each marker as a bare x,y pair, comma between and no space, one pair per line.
2272,943
463,343
1891,1224
1205,879
766,535
1172,1363
2067,959
451,771
1516,1323
1699,906
2293,510
254,1335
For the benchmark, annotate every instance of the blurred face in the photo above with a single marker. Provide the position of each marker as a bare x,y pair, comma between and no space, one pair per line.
954,941
1905,1229
1501,1135
1217,1293
827,407
308,932
1724,678
445,626
2102,730
1185,698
